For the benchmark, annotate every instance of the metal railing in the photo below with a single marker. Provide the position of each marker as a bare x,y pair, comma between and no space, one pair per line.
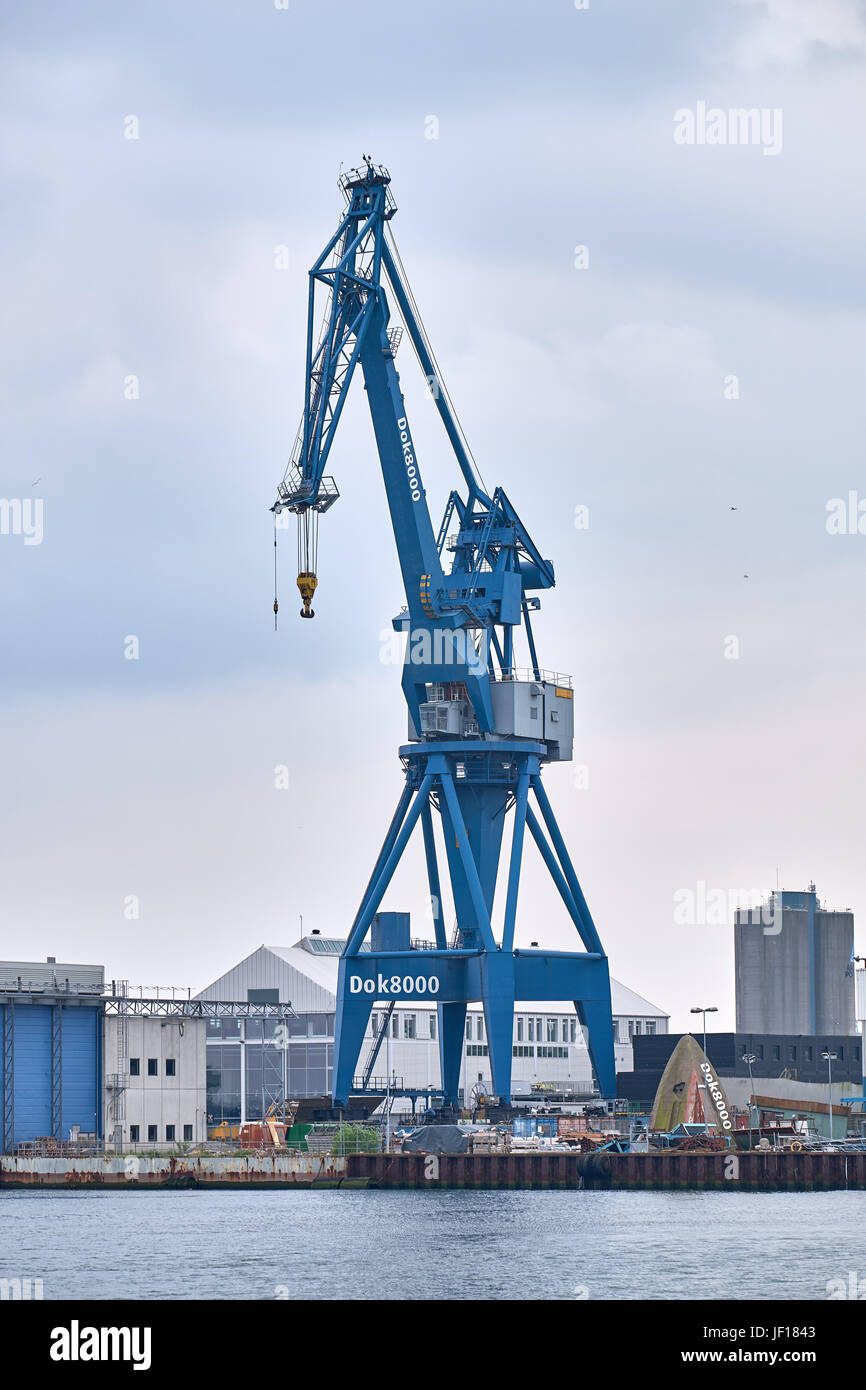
524,673
378,1083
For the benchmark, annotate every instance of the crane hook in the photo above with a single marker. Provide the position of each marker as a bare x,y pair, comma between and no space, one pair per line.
307,582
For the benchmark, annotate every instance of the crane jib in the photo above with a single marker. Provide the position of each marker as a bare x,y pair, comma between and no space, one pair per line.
409,459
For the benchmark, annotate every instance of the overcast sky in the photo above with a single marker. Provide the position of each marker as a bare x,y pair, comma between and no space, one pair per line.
607,387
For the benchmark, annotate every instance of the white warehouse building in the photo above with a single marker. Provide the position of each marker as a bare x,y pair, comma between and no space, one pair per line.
252,1063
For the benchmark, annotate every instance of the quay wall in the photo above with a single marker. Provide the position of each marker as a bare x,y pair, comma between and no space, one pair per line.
761,1172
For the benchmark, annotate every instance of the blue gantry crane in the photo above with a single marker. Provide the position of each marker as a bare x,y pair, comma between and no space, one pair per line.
480,727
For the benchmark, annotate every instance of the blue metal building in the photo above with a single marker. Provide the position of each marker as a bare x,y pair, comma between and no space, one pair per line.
51,1030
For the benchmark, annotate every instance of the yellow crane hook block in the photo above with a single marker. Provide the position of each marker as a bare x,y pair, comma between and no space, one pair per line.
307,586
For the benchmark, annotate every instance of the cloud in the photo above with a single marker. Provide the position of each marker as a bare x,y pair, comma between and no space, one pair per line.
791,33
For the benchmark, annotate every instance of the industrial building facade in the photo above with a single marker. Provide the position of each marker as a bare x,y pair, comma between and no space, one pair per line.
80,1063
154,1089
251,1063
787,1075
786,1057
51,1029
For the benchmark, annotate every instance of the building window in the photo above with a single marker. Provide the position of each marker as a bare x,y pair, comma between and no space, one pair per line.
807,1054
135,1066
151,1133
187,1131
468,1027
169,1066
394,1025
520,1030
777,1052
551,1030
841,1054
538,1029
650,1028
479,1027
530,1024
223,1080
133,1133
637,1027
616,1030
759,1052
572,1028
169,1133
229,1028
409,1026
153,1066
433,1027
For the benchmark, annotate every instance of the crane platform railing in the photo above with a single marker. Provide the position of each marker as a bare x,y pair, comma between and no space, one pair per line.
524,673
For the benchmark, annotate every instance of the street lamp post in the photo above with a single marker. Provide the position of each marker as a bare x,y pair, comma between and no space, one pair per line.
749,1058
829,1058
710,1009
388,1085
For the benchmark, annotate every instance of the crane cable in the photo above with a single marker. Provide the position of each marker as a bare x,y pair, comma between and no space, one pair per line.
276,604
432,355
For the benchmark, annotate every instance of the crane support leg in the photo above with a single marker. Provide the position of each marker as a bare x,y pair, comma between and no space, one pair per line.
436,910
473,784
452,1031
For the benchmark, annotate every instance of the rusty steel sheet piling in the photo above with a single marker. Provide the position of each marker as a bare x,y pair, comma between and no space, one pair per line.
130,1171
773,1171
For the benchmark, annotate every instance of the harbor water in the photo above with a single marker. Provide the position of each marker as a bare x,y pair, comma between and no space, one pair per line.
441,1244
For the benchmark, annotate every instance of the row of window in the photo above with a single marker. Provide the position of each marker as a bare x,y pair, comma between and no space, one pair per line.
153,1133
152,1066
268,1029
546,1030
808,1052
636,1026
402,1025
538,1051
481,1050
551,1030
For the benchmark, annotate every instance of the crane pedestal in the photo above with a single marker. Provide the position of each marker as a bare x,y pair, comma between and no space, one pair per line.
472,785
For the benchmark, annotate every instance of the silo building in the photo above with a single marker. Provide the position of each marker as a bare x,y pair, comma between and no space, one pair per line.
794,967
